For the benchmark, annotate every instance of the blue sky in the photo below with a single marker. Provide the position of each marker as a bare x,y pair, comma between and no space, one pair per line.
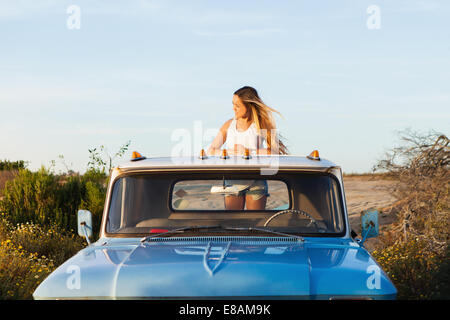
140,70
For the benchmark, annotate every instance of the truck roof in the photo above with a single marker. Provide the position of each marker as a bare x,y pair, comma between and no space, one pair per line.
233,162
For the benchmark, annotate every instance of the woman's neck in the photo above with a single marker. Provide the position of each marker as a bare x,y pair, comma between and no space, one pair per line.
242,124
246,120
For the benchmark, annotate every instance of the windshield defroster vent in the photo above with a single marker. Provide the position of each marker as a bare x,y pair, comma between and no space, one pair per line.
239,239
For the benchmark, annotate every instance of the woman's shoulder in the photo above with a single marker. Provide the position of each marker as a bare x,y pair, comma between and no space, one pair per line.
226,125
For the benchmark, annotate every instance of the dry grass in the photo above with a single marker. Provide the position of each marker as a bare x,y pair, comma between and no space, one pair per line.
422,168
414,250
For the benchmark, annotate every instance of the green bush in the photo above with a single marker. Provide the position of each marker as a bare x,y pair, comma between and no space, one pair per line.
49,242
95,183
416,270
53,200
38,219
28,254
12,165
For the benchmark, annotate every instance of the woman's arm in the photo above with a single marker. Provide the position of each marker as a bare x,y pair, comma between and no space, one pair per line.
219,140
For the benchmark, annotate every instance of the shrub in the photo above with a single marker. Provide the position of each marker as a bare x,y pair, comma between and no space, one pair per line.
38,218
53,200
417,270
12,165
415,251
48,242
422,167
20,271
4,177
28,254
100,160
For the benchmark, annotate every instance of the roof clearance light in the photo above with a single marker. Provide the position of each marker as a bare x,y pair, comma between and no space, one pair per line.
137,156
224,154
203,154
247,154
314,155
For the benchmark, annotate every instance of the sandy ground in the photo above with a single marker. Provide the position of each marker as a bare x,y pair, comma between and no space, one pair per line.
368,192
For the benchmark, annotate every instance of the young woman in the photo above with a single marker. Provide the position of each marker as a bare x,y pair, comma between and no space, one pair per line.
252,125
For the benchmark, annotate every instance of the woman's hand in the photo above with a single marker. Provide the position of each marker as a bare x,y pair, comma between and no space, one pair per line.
214,152
263,151
239,149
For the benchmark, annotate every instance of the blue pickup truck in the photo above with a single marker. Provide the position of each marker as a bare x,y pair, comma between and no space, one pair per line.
223,227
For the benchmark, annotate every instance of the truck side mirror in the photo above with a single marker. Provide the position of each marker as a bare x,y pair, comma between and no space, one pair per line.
369,224
84,222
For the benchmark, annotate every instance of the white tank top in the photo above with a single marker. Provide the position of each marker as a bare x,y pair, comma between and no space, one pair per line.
248,138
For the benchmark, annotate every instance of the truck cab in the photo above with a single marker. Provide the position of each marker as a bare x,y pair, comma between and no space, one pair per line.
223,227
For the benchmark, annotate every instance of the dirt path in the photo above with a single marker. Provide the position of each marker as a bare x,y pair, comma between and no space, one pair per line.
366,192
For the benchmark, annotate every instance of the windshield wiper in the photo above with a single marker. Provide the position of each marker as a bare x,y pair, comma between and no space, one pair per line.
194,228
264,230
180,230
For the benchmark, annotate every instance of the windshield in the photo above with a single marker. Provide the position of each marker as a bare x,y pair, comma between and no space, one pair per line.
300,203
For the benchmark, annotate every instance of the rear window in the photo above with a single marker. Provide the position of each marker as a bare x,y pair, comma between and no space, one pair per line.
216,195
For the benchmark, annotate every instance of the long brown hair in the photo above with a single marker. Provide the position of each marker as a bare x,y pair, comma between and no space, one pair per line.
261,114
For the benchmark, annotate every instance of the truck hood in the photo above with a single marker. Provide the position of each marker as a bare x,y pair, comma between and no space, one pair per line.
218,268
